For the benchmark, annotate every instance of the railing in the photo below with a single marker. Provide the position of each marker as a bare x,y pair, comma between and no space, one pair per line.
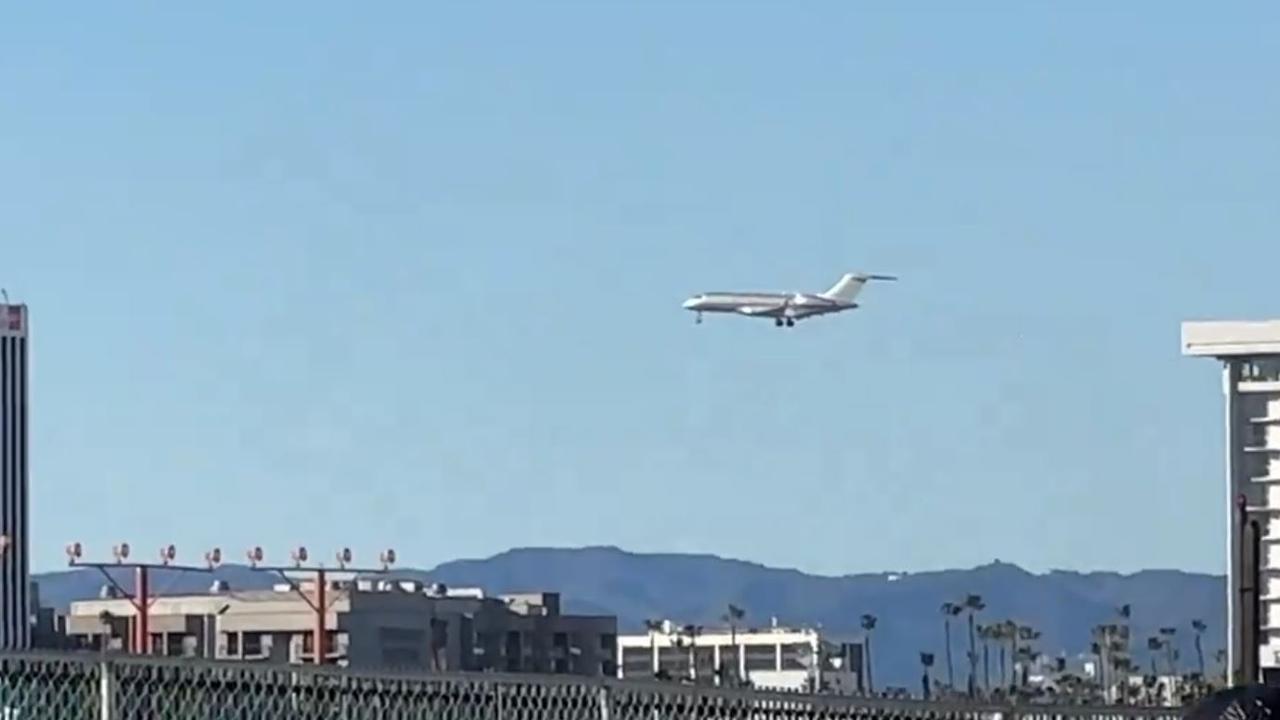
87,687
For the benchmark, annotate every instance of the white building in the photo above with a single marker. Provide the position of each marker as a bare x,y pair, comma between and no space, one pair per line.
777,658
1250,356
15,568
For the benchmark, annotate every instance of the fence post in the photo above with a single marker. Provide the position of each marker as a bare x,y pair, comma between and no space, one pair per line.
106,691
605,707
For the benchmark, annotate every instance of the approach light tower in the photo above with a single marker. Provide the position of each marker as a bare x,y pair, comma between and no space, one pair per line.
1250,356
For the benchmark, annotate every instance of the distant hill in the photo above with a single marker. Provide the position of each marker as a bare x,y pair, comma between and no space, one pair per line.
697,588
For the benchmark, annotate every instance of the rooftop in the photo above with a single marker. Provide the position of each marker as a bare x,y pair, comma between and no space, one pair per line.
1231,338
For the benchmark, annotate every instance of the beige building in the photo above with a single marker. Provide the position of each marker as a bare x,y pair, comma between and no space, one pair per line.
389,625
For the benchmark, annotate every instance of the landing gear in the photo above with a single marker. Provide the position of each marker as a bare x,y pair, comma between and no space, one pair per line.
779,322
697,320
791,323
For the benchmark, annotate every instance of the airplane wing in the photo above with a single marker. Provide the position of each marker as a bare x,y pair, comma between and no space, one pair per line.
761,310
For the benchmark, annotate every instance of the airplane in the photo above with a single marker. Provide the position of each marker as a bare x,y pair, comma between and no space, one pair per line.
784,308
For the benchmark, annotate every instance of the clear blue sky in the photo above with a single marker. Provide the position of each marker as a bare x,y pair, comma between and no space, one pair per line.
411,274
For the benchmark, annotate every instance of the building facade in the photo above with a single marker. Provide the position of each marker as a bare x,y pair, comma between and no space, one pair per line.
794,660
1250,357
15,572
373,625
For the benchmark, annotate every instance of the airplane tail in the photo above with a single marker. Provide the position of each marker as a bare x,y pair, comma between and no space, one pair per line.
850,285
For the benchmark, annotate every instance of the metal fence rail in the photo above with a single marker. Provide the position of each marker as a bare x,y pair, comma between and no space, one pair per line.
80,687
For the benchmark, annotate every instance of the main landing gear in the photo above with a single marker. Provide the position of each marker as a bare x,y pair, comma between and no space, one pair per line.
779,322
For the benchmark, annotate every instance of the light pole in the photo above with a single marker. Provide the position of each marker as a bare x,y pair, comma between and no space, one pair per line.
141,598
318,600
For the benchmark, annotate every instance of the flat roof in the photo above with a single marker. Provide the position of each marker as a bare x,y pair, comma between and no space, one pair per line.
1231,338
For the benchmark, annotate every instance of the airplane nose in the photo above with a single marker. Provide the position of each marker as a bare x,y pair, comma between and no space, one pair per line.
690,303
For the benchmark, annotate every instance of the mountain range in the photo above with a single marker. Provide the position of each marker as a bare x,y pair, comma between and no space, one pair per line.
689,588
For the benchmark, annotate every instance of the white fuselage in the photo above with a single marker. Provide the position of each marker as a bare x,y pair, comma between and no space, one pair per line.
768,305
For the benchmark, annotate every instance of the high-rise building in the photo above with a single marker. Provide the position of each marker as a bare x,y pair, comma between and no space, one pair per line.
15,571
1250,357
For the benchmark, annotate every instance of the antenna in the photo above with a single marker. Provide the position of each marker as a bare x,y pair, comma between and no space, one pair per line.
4,294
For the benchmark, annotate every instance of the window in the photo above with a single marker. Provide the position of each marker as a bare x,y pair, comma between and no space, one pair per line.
439,633
513,651
608,643
637,662
761,657
704,659
729,660
252,644
608,668
674,661
232,641
175,644
795,656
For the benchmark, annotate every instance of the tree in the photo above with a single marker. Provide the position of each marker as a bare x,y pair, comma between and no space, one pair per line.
1170,647
1027,635
973,604
1000,634
733,616
986,633
1155,644
1199,627
868,625
950,610
926,662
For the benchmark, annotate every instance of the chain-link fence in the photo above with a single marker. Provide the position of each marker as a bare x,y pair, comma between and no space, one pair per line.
79,687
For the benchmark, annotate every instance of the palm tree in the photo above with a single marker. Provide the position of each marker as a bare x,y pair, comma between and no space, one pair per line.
868,625
973,604
1119,649
1170,646
733,616
926,661
1101,648
1155,645
950,610
1027,635
986,633
1000,633
1199,627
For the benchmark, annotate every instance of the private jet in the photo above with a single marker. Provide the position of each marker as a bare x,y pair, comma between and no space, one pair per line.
784,308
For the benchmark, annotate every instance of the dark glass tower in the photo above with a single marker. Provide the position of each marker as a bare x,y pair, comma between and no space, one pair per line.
15,570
